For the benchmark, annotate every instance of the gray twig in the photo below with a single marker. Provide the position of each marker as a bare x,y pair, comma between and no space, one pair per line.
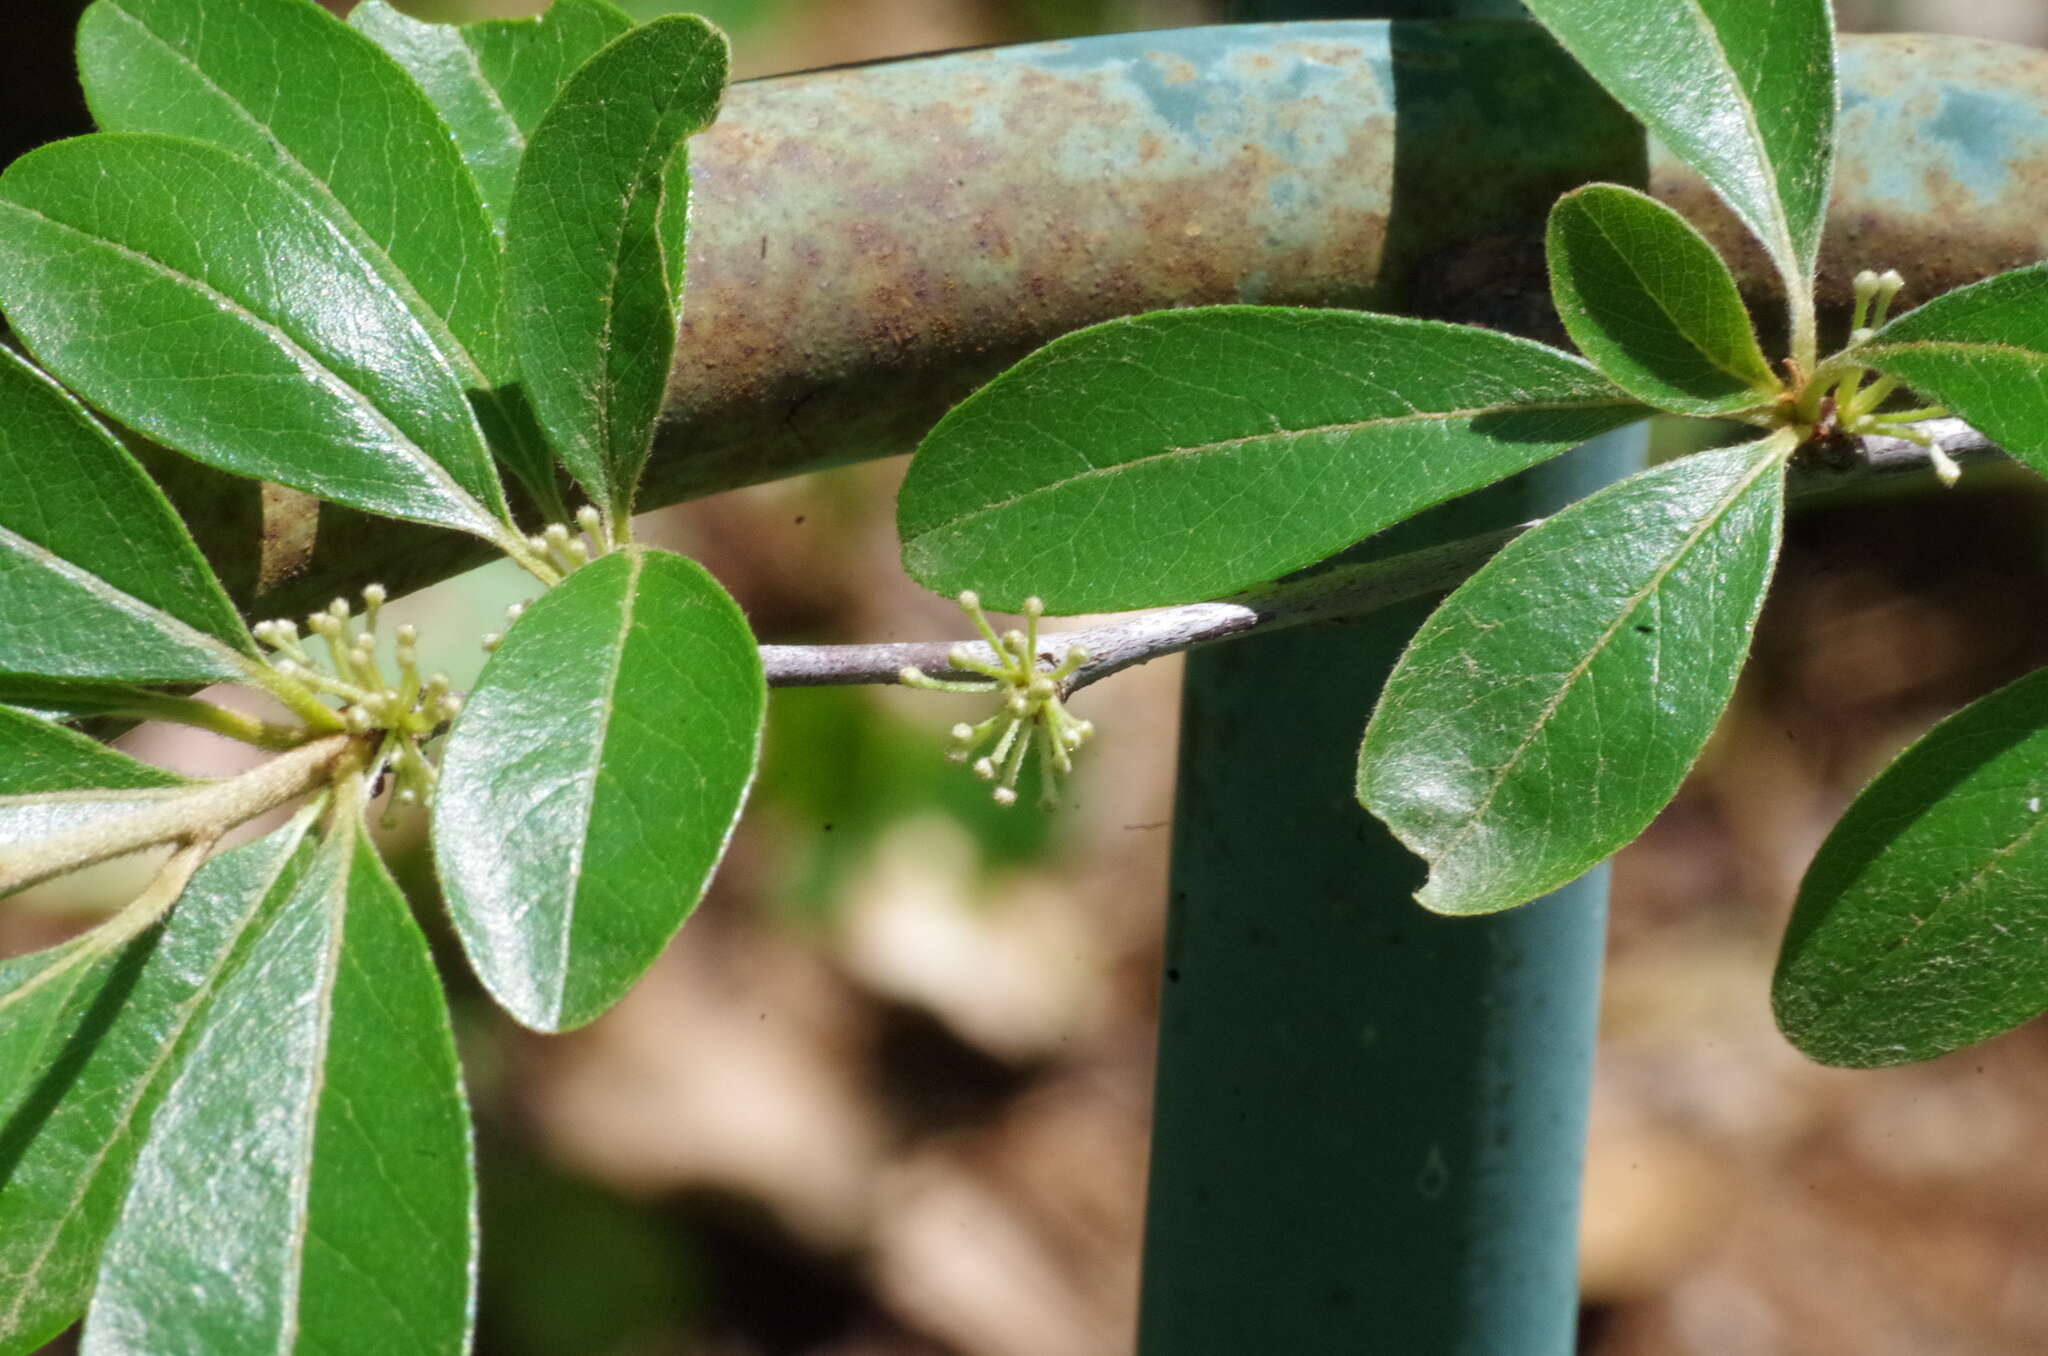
1337,593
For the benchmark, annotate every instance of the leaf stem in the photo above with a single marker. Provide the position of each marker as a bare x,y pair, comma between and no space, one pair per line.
1805,330
296,697
156,899
264,734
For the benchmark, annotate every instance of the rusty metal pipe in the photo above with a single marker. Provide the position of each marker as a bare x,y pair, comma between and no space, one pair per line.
872,242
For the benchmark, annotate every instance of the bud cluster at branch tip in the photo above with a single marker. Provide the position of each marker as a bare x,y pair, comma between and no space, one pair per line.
1853,407
1031,709
567,548
407,708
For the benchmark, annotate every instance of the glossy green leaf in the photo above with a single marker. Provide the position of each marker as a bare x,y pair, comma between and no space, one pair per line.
1982,351
35,997
98,578
298,92
306,1184
53,780
592,780
1922,924
197,299
1743,91
492,81
1553,704
37,757
100,1048
1183,455
293,89
594,246
1646,298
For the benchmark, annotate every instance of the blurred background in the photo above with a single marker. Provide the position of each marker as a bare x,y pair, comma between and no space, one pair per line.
888,1095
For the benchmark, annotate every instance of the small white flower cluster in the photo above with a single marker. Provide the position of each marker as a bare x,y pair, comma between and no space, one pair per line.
1032,711
1856,406
408,709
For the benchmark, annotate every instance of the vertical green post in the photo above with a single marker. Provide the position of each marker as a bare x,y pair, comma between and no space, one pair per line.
1370,1120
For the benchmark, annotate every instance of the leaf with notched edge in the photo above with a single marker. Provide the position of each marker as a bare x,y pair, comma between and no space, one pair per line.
1552,705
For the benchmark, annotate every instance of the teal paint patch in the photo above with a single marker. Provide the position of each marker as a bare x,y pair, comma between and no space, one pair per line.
1195,80
1979,129
1217,87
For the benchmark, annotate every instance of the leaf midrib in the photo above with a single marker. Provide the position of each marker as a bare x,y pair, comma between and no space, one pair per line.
514,135
1790,262
1885,969
1906,348
335,906
1676,320
628,600
1253,439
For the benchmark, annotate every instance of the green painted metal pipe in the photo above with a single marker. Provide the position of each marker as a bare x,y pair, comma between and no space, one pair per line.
871,242
1370,1122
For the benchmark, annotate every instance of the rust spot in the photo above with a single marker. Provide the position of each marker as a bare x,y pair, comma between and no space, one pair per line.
291,527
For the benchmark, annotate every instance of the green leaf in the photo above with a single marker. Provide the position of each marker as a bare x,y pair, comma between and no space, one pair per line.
53,780
101,1046
293,89
1646,298
199,300
492,81
296,91
307,1182
98,578
592,780
1922,924
36,756
595,246
1553,704
1182,455
1743,91
1982,351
